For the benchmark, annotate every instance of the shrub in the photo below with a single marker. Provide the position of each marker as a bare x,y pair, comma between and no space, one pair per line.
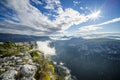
8,49
36,56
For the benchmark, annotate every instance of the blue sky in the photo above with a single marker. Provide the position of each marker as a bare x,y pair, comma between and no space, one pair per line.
60,17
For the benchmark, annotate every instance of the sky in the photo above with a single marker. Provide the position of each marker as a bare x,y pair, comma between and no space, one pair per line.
60,17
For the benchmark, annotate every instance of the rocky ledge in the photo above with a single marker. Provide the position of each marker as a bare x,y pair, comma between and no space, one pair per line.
23,62
19,67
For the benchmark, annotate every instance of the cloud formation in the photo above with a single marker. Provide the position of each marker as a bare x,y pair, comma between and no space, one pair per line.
34,22
22,17
76,3
102,35
97,26
52,4
37,2
44,46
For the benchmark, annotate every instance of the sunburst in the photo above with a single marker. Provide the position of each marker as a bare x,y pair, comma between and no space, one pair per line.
95,15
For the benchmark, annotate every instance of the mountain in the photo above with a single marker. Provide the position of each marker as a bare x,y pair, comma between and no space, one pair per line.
90,59
114,37
21,38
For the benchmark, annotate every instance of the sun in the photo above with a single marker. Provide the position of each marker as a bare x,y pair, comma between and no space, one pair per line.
95,15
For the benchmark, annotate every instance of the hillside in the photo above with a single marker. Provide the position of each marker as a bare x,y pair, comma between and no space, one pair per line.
90,59
22,61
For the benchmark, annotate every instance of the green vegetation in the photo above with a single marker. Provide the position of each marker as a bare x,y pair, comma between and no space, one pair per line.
60,73
9,49
45,68
36,56
25,60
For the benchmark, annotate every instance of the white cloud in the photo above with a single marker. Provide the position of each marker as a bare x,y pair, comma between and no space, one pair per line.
97,26
30,16
44,46
82,8
89,28
51,4
69,17
37,2
76,3
34,22
102,35
110,21
96,34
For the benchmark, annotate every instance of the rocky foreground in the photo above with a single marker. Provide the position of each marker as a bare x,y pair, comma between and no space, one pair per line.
22,61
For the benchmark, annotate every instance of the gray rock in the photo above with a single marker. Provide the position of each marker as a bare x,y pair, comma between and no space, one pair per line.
28,71
26,78
9,75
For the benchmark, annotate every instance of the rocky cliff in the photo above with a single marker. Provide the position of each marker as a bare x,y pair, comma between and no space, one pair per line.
22,61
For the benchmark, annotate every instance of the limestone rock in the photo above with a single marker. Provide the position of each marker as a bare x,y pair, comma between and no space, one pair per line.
9,75
28,71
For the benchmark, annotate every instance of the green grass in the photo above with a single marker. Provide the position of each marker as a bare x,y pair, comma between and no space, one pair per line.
9,49
35,56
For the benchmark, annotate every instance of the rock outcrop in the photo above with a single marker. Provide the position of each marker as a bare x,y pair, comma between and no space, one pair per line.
27,64
20,66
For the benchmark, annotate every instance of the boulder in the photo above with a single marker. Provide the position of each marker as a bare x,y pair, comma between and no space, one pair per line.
28,71
9,75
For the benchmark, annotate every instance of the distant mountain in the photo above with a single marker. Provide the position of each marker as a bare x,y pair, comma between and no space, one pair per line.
90,59
21,38
113,37
61,37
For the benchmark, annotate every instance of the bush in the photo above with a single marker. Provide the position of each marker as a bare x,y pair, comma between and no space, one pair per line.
36,56
9,44
8,49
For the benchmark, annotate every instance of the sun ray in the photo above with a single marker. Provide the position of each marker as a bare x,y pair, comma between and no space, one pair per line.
95,15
